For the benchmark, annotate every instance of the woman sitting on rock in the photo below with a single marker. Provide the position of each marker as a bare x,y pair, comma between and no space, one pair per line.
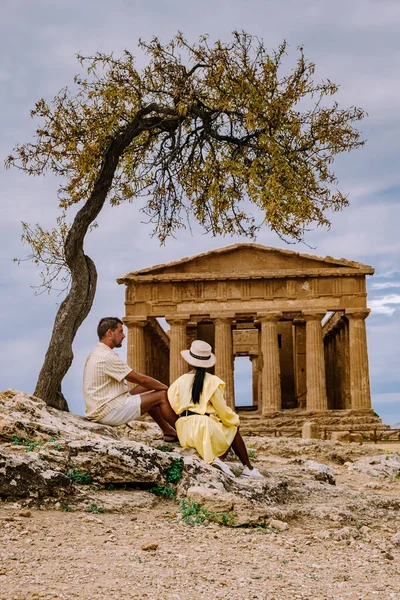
205,421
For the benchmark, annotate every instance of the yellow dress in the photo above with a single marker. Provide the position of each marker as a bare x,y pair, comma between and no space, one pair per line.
210,435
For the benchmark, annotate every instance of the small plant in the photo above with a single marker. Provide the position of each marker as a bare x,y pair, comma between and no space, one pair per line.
109,487
52,439
194,514
226,519
138,559
66,507
165,491
174,472
165,447
251,452
30,446
57,447
79,478
94,509
17,440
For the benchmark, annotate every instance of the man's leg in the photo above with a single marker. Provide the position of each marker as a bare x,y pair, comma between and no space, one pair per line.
157,405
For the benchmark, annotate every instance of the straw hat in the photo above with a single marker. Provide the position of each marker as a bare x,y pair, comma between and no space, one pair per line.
199,355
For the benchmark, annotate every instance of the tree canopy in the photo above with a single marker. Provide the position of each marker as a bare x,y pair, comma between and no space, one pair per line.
202,131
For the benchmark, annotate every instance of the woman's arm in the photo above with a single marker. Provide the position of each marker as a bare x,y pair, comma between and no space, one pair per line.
225,413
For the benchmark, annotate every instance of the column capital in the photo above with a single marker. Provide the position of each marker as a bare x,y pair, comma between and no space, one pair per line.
313,315
266,317
299,321
357,313
222,320
222,317
135,321
177,319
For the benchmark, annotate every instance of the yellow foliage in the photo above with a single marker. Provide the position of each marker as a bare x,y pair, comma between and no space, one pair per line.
198,130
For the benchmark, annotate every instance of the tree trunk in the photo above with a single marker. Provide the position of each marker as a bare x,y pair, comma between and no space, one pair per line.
76,306
72,312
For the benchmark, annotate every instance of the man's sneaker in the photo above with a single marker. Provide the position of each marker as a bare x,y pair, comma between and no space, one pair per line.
252,473
219,464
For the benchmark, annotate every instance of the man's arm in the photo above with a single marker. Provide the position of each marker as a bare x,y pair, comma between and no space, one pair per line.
145,382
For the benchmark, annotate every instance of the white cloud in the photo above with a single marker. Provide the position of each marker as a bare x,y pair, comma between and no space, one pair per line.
385,305
385,285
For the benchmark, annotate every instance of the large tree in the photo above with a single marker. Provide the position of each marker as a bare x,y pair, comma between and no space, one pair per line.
203,130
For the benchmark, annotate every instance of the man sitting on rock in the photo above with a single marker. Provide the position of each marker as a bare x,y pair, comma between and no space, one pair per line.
107,397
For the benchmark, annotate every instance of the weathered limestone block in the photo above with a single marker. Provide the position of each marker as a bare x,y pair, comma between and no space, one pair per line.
321,472
346,436
310,431
28,417
383,466
23,475
212,499
112,461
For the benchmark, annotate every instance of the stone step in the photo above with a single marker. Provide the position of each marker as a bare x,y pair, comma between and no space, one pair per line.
290,422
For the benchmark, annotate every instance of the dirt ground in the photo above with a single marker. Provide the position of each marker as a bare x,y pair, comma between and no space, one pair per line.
148,553
69,555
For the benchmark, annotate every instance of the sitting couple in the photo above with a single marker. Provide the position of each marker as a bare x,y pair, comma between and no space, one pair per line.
192,410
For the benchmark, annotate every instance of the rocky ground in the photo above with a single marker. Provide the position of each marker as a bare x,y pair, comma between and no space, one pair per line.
323,525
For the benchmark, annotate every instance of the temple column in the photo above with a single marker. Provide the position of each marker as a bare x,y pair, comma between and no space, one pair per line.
136,344
224,356
346,367
315,370
299,344
360,395
177,342
271,372
254,378
328,368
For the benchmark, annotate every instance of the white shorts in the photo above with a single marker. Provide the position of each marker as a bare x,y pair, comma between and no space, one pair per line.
129,412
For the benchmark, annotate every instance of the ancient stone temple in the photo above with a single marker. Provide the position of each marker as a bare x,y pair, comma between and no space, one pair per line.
299,318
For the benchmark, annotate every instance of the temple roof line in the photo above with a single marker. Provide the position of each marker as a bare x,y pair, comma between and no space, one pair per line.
318,266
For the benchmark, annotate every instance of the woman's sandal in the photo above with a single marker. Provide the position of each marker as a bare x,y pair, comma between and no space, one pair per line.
170,439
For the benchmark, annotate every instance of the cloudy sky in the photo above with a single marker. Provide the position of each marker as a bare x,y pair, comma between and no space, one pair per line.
353,43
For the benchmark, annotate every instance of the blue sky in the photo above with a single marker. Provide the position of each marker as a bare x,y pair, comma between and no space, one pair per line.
353,43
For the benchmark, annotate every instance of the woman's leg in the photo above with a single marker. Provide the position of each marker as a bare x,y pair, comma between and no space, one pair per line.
239,448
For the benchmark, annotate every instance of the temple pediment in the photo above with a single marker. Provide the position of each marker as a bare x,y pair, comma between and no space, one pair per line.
249,261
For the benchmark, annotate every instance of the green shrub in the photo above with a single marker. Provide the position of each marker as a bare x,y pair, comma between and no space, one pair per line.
94,509
251,452
165,447
30,445
66,507
17,440
174,472
165,491
193,513
79,478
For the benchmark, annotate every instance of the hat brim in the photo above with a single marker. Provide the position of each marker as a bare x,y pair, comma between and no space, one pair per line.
196,362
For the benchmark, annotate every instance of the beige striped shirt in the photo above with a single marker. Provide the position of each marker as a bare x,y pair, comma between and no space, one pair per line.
104,388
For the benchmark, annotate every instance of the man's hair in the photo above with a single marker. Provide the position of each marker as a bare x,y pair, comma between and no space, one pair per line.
107,323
